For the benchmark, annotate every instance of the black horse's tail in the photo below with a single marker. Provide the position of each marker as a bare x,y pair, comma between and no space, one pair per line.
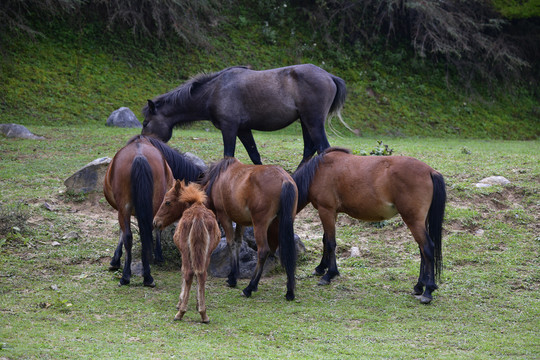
287,246
142,185
341,94
435,219
339,101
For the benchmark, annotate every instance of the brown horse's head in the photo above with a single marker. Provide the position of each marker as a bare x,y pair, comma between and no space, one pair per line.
172,207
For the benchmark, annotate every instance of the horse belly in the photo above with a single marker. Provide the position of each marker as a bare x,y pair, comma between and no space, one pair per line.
371,212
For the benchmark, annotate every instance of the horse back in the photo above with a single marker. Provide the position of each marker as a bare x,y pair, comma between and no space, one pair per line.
371,188
247,192
117,182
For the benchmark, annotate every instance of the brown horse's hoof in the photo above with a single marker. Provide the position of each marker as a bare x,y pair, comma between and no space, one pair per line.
150,285
323,282
423,299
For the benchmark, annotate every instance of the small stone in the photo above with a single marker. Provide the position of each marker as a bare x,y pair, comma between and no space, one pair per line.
355,251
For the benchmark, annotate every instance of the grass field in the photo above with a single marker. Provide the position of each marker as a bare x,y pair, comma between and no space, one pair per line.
59,301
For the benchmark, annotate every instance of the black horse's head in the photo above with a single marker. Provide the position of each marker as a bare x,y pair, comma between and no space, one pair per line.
156,124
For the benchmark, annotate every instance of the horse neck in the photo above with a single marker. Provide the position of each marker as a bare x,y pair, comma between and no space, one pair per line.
191,109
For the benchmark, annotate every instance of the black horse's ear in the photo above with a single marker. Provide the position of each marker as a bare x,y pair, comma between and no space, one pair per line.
152,107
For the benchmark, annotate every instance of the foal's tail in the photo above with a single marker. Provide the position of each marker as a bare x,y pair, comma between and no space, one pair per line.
287,246
142,185
435,219
199,243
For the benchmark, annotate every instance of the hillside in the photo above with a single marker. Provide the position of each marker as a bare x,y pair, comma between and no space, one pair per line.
76,77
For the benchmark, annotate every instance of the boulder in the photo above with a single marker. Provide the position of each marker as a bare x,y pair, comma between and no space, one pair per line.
220,261
18,131
89,178
196,160
124,118
492,180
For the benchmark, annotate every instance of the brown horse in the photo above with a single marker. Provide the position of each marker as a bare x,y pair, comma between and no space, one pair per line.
264,196
136,181
375,188
196,237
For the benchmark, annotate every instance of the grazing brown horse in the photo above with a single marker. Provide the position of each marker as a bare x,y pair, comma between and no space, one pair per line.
375,188
238,100
264,196
137,178
196,237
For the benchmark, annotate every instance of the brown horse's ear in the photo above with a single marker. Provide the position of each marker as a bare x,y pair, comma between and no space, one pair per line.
152,107
178,185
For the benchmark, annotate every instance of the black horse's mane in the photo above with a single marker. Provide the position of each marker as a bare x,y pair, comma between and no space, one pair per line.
214,171
181,166
303,177
187,90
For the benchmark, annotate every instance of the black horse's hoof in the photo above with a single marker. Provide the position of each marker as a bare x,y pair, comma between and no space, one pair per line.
318,272
150,284
114,267
123,282
231,283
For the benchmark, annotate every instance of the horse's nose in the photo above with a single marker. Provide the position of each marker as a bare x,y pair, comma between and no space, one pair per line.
157,225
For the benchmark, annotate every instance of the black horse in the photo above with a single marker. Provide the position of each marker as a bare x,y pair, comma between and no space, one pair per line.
238,100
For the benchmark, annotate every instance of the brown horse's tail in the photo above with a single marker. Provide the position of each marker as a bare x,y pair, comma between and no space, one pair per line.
142,183
287,246
435,219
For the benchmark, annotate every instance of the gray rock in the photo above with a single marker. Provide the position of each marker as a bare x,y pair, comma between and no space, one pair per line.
18,131
89,178
124,118
196,160
220,261
492,180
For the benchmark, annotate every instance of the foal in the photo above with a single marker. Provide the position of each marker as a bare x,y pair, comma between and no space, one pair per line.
196,237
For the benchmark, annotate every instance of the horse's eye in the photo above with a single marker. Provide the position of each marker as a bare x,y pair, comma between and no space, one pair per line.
168,203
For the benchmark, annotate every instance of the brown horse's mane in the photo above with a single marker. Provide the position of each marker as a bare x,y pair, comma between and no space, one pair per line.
192,194
214,171
181,166
305,174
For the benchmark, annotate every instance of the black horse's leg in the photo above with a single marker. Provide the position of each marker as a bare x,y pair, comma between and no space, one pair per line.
146,256
115,261
229,141
158,252
246,137
309,146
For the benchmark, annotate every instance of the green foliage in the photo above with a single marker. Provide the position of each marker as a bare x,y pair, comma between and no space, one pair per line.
13,218
514,9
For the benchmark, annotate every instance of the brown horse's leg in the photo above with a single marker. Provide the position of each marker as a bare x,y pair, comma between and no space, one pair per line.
127,240
201,303
187,279
263,251
427,264
328,219
115,261
158,253
234,242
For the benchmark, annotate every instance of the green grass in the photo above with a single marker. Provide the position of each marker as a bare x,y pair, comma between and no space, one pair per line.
61,302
